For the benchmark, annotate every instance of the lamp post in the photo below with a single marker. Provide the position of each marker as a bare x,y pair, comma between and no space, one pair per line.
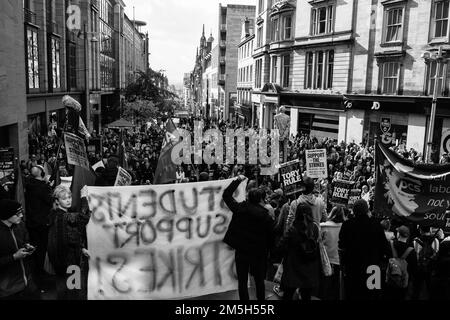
86,73
439,58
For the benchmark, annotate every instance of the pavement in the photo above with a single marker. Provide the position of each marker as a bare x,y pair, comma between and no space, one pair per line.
50,292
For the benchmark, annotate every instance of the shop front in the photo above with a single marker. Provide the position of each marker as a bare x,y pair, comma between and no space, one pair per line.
315,114
392,120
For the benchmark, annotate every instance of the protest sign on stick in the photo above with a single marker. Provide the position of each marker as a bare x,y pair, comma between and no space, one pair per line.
160,241
76,151
291,177
341,192
316,163
355,194
123,178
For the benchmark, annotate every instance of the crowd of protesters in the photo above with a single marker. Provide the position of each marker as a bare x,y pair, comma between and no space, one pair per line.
282,234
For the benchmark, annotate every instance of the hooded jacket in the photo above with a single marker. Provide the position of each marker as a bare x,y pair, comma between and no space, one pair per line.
317,204
14,274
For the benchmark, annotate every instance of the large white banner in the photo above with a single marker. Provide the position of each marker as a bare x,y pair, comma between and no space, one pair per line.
160,242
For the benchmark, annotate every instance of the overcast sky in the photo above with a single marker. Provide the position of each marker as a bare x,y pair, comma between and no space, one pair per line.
175,28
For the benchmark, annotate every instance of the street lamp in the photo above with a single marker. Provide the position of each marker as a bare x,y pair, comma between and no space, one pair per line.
86,70
439,57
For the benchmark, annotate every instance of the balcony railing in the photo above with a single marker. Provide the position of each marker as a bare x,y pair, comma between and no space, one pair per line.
222,60
29,16
223,43
223,27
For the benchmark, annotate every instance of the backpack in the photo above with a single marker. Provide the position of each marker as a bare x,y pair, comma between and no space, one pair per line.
426,255
397,271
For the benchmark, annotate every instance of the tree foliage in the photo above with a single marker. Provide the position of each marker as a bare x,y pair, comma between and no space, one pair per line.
149,96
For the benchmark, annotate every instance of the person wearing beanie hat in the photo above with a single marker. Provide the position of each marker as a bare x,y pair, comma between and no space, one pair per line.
15,275
38,203
362,243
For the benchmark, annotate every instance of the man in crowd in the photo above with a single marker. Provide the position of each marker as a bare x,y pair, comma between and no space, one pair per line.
250,233
15,277
38,204
362,243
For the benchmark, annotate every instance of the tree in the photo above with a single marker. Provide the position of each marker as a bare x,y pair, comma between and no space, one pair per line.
149,96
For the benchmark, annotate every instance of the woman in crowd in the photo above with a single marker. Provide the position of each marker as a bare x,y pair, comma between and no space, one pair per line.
329,232
67,240
301,255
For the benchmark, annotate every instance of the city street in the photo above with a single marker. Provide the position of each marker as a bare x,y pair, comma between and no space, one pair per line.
243,150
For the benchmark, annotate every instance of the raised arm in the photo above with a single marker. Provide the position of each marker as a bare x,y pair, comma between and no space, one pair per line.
232,204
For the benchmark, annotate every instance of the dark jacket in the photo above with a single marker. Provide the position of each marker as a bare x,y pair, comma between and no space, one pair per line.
107,178
14,274
363,243
38,203
299,270
67,237
411,259
251,227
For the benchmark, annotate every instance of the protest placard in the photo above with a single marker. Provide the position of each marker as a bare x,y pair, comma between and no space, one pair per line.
6,162
99,164
316,163
291,177
75,150
123,178
341,192
160,241
355,194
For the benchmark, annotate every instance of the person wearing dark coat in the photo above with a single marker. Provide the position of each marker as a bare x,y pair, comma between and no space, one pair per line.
67,242
15,274
250,233
107,177
38,202
301,262
362,243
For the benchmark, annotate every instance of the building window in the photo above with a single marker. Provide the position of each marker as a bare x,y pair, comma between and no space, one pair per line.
287,25
436,78
258,75
319,70
440,19
322,19
389,77
56,65
72,65
259,36
275,29
286,70
330,67
274,69
393,25
260,6
32,59
251,73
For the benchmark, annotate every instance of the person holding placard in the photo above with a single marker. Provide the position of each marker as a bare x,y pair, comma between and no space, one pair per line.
67,239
